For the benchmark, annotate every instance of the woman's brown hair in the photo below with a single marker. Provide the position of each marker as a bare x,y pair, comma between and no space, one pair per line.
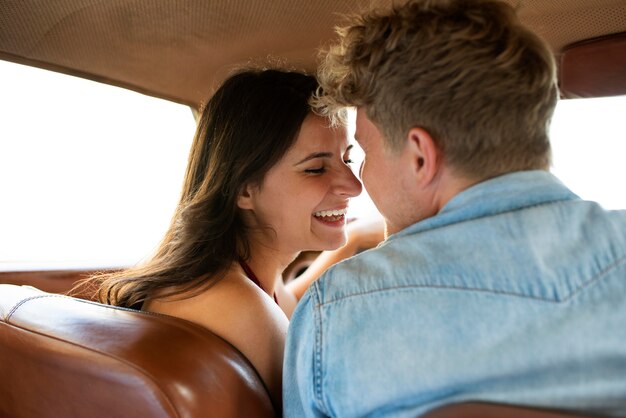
245,128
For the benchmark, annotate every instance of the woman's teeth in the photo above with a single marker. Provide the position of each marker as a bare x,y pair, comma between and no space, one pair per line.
328,213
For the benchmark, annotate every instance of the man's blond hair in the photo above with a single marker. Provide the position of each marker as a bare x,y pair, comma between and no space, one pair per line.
466,71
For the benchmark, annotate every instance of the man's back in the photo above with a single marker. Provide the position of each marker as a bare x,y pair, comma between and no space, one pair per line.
514,292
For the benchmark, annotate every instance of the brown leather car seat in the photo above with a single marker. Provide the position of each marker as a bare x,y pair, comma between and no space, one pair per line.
68,357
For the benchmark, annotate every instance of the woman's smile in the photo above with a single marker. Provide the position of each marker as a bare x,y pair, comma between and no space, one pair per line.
334,217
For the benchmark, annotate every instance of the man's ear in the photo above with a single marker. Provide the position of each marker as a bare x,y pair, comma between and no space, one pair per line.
244,199
424,154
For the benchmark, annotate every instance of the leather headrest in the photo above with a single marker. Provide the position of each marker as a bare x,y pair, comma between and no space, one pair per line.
64,357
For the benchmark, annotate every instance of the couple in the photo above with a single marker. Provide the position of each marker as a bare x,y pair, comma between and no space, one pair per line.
494,283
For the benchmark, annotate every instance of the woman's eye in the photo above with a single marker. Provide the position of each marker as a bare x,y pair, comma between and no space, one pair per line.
315,170
348,161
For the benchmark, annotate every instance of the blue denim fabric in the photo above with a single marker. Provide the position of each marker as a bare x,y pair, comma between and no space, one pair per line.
515,292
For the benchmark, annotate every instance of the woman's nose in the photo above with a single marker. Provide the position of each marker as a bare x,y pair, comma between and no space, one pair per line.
348,184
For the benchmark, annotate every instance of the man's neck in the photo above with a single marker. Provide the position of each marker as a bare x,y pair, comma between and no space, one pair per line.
445,186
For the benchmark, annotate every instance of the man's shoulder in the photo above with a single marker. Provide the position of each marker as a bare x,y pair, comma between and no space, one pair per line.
374,270
521,252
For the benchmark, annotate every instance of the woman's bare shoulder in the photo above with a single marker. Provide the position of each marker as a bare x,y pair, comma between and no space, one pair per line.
248,307
241,313
233,307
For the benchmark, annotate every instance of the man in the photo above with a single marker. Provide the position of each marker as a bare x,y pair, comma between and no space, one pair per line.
496,283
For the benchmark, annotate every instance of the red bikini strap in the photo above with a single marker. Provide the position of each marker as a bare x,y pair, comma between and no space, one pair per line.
246,268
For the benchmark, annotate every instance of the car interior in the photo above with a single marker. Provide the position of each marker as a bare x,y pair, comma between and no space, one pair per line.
64,356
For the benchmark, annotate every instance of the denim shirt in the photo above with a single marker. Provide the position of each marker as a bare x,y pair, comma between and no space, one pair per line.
514,292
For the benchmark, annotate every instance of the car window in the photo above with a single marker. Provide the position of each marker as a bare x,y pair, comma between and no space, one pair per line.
90,174
588,139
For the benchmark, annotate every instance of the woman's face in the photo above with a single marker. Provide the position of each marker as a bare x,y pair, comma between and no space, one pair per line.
303,199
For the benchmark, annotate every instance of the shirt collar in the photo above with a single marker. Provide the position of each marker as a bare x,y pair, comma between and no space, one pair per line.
500,194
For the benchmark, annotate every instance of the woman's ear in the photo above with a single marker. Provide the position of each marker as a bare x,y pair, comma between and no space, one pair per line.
244,199
424,154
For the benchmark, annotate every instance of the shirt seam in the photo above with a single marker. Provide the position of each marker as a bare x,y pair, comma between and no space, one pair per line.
317,365
569,297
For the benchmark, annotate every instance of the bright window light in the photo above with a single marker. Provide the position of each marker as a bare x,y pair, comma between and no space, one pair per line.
90,174
362,205
588,139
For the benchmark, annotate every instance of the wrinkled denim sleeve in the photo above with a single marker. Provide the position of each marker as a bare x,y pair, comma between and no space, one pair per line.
301,371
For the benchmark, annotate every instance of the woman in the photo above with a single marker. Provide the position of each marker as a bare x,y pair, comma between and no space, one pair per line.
266,179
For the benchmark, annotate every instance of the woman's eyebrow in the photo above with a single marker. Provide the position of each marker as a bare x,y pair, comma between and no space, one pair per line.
320,155
315,155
